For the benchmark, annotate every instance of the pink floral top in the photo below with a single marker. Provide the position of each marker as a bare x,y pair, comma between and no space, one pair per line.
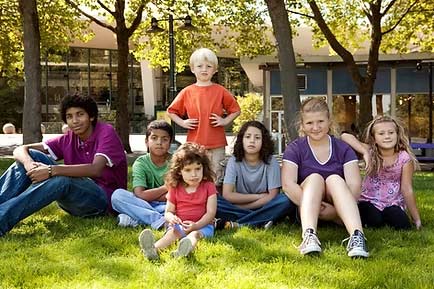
384,189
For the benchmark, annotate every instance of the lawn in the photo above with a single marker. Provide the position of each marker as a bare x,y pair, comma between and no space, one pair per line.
54,250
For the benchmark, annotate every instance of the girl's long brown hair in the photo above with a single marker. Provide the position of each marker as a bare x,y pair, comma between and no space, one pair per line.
187,154
402,143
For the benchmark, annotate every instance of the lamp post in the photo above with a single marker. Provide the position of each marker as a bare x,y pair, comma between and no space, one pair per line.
172,54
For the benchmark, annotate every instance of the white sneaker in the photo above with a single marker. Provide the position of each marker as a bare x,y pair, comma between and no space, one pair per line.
310,244
356,247
126,221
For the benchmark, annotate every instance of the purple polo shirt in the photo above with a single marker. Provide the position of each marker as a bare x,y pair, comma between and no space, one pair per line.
104,142
300,154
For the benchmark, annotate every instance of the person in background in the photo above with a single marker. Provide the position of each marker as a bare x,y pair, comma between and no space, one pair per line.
9,128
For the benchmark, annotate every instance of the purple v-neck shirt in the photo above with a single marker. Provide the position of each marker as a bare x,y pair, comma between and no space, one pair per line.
300,153
104,142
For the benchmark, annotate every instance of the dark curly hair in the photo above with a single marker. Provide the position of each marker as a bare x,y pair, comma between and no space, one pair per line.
159,124
187,154
267,147
85,102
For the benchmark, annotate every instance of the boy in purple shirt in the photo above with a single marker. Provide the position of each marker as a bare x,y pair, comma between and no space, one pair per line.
94,166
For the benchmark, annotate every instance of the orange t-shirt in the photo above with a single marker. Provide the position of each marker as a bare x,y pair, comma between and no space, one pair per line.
199,102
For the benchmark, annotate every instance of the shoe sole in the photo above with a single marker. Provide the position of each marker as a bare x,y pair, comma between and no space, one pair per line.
146,241
311,250
358,254
184,249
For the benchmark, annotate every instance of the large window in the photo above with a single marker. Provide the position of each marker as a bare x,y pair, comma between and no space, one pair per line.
89,72
413,109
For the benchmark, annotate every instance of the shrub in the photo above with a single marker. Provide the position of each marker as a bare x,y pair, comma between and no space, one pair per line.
251,107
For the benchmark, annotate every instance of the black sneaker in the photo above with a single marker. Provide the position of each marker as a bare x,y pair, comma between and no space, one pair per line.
356,246
310,244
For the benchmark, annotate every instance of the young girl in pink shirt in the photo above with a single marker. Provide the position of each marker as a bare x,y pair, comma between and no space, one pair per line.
387,189
191,203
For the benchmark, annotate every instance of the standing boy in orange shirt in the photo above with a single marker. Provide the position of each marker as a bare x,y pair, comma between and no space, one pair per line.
201,107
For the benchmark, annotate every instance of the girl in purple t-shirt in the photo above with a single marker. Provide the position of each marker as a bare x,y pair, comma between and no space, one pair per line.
191,203
387,189
321,175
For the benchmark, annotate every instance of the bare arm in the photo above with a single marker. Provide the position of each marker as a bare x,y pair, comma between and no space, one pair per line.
289,182
149,195
268,196
190,123
407,192
170,215
208,217
21,154
238,198
357,145
353,179
217,120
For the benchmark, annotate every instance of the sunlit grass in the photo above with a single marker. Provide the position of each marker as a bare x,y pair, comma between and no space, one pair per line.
52,249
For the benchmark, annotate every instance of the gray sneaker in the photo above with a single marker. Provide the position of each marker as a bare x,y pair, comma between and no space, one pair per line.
147,241
184,248
126,221
310,243
356,246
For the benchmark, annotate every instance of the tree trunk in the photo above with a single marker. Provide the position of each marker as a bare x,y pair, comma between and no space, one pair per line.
365,90
32,72
288,73
122,115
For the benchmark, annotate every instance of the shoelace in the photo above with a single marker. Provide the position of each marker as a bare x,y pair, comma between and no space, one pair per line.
309,237
355,241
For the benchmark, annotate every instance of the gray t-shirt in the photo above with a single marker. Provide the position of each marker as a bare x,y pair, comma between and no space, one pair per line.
253,179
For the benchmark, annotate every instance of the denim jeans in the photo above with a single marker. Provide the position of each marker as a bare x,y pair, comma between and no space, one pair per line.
276,209
143,212
19,198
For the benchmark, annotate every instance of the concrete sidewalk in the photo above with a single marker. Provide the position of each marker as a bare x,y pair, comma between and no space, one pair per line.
8,142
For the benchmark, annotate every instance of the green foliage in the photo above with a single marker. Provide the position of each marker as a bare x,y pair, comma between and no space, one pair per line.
213,19
59,25
11,102
251,106
52,249
411,26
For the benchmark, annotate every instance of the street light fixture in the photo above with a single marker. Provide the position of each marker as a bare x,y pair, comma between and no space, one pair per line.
172,56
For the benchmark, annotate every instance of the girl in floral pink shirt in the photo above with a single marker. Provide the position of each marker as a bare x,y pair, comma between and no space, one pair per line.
387,189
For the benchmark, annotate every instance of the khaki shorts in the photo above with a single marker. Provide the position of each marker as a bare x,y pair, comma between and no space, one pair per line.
216,156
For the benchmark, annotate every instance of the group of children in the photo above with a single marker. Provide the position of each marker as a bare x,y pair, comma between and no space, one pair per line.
319,178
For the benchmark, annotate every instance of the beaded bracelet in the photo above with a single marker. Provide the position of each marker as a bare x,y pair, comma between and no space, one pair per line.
50,171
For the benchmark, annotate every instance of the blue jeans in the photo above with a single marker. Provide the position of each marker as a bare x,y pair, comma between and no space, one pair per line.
19,198
274,210
143,212
207,231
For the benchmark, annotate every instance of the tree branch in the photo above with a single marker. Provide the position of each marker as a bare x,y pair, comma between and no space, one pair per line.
137,20
302,14
103,6
401,18
346,56
76,7
388,8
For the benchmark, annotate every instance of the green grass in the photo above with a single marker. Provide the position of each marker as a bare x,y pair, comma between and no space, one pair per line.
51,249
